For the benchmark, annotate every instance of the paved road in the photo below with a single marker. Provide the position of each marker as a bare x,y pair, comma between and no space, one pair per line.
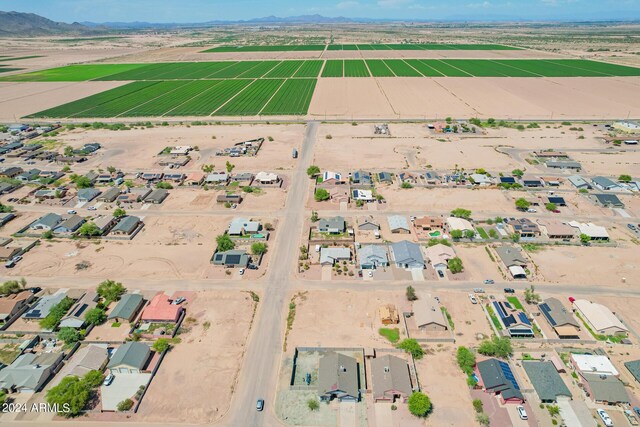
259,373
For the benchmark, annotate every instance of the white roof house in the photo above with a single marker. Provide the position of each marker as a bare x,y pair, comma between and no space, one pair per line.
481,179
364,195
596,232
329,256
599,317
458,224
398,223
240,226
328,175
594,364
181,149
439,254
266,177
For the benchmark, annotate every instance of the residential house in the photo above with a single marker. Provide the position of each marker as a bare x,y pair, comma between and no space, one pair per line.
109,195
407,254
399,224
524,227
229,198
372,257
634,369
127,308
389,314
605,389
593,364
7,253
330,256
557,229
513,320
391,379
496,376
176,178
243,226
564,164
11,304
105,223
557,200
335,225
608,200
338,378
161,310
514,260
363,195
267,178
507,180
46,222
385,177
368,225
42,308
231,259
603,183
6,217
454,223
157,196
339,194
331,178
551,154
361,177
92,357
131,357
429,223
439,256
546,381
246,178
49,194
217,178
428,315
29,175
151,177
87,194
69,225
10,172
481,179
194,179
7,187
599,318
134,195
559,318
594,232
126,226
432,178
30,371
531,181
407,177
579,182
75,317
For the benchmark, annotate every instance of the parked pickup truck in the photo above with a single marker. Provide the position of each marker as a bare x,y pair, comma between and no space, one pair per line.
632,418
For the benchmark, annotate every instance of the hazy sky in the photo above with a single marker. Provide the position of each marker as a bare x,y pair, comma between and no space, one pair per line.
206,10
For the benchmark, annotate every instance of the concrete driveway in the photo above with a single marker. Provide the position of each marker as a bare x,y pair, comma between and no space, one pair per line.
347,417
124,386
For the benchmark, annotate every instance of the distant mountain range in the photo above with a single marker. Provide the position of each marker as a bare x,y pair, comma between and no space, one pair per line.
19,24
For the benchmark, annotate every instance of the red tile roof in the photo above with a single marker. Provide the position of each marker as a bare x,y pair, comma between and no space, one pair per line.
161,310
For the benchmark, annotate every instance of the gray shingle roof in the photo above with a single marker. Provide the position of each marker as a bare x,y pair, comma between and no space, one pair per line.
606,388
546,380
511,255
406,252
132,354
634,367
127,224
125,308
338,372
390,373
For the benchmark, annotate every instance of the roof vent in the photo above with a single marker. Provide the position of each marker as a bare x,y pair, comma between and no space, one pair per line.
343,369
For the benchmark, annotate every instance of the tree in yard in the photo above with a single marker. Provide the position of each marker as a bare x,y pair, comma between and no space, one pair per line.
313,404
412,346
493,233
89,229
477,405
119,213
164,185
69,335
81,181
93,378
125,405
111,290
3,397
522,204
314,216
207,168
483,419
321,195
259,248
128,183
72,393
406,185
224,243
419,404
313,170
111,169
461,213
530,295
585,239
161,345
455,265
68,151
517,172
411,293
515,237
466,360
456,234
499,347
95,316
12,286
230,166
469,234
551,206
625,178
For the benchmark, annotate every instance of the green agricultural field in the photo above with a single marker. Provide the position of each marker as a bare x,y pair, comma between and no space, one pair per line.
423,68
172,100
310,68
272,48
379,68
250,101
284,69
259,70
342,47
5,69
72,73
18,58
444,68
333,68
208,101
355,68
293,98
401,68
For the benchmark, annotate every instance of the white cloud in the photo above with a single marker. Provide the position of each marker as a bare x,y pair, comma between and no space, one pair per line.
394,3
347,4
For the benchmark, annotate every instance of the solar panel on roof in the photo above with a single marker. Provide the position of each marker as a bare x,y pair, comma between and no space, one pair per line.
81,310
557,200
546,311
524,319
507,179
508,374
233,259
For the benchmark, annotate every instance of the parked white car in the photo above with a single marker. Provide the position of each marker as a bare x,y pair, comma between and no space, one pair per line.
521,412
473,299
606,419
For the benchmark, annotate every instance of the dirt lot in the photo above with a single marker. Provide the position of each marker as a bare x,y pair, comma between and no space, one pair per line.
584,265
469,319
217,326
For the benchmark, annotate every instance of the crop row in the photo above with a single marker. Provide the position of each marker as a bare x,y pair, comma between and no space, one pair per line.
292,98
250,101
271,48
